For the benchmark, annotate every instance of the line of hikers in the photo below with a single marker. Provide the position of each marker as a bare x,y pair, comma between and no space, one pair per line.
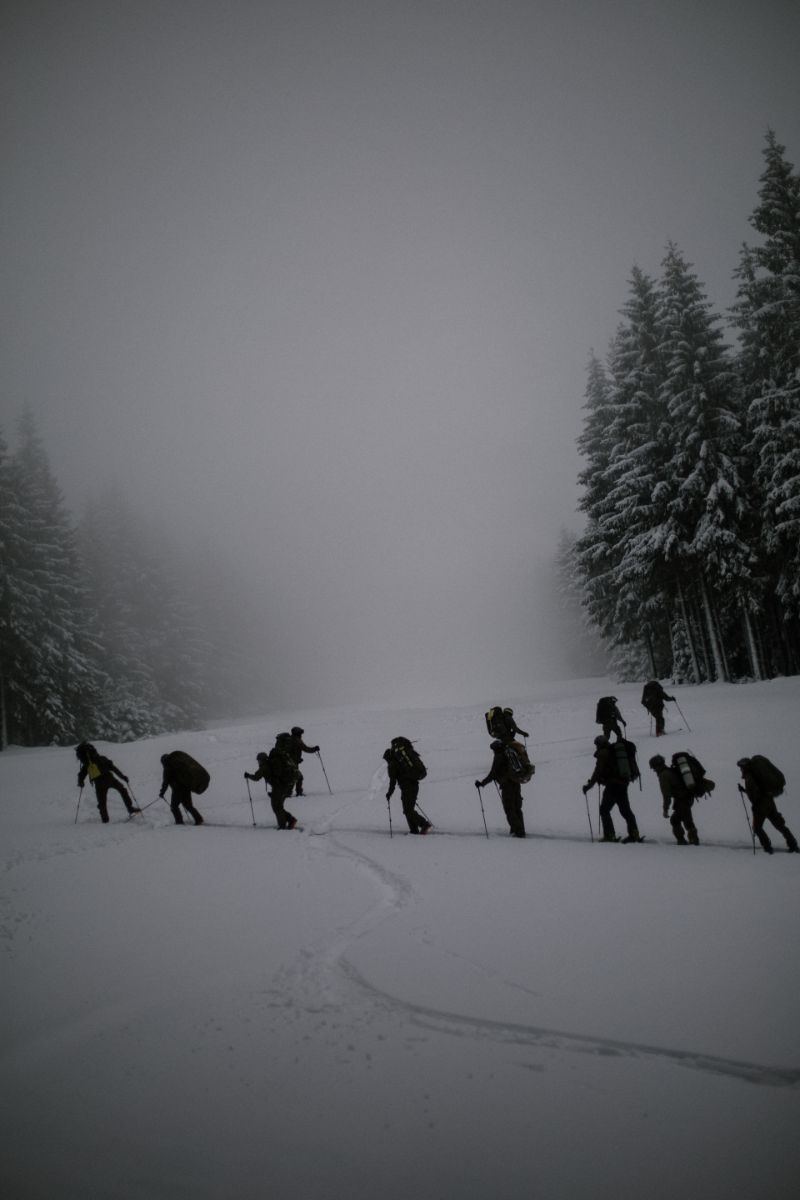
681,782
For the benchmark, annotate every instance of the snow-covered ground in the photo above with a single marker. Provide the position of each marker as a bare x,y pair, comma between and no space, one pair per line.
231,1011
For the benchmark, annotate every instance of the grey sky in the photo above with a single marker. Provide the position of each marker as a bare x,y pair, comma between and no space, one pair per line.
319,282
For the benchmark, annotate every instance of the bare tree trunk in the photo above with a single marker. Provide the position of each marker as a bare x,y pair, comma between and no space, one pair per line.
3,712
752,648
689,635
716,650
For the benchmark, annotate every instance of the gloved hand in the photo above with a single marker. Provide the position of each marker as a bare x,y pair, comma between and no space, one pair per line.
666,813
388,796
125,777
585,788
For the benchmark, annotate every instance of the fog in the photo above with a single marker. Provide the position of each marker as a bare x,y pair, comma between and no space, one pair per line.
317,284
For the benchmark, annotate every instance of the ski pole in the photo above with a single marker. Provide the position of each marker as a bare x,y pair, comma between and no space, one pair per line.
483,814
747,815
324,772
389,807
150,803
250,798
77,806
423,814
683,718
589,815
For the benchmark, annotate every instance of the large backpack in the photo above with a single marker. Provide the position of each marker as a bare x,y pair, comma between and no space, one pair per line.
606,706
651,692
517,764
692,773
189,772
281,765
496,723
768,777
408,763
624,759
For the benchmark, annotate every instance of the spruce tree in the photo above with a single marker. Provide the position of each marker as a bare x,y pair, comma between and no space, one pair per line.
767,314
51,651
704,514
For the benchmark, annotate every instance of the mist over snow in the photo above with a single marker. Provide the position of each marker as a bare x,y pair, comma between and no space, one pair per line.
316,285
236,1011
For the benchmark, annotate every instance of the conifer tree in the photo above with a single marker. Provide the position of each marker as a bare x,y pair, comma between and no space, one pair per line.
767,313
704,513
51,653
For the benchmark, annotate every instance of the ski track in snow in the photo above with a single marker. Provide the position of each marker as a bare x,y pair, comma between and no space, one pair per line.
326,981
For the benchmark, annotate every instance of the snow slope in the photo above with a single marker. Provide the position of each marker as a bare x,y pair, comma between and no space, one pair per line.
227,1011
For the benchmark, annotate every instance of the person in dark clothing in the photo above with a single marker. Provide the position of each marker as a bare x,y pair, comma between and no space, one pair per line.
278,769
653,699
762,802
101,772
404,775
615,792
298,749
512,726
609,716
510,789
174,776
675,792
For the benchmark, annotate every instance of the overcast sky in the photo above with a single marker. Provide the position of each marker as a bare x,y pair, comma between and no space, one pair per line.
318,281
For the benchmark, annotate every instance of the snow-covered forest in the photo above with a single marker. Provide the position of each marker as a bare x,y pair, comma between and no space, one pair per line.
106,628
689,563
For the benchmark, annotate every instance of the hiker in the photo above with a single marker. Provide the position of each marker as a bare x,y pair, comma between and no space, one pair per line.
501,725
279,771
653,699
609,716
406,769
101,772
182,775
509,780
511,725
298,749
609,772
675,792
762,783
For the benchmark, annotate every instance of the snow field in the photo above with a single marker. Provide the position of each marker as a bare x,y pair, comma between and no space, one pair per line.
226,1010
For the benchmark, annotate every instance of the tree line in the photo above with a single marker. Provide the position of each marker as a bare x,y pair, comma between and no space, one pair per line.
689,562
106,630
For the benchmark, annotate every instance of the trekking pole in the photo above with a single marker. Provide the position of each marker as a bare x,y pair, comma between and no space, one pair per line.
324,772
77,806
683,718
424,815
250,798
483,814
589,815
747,815
389,806
150,803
